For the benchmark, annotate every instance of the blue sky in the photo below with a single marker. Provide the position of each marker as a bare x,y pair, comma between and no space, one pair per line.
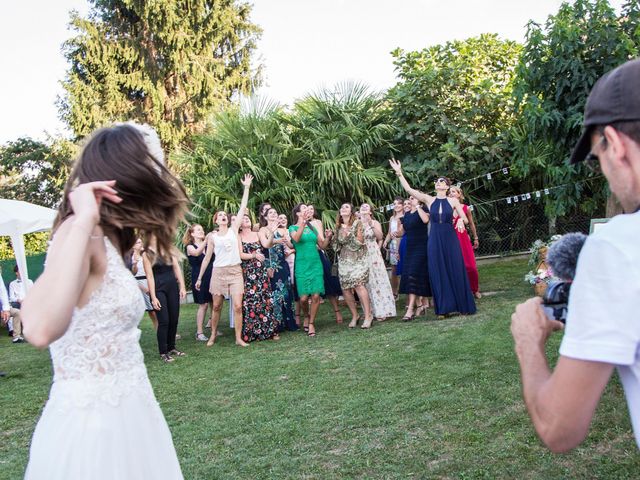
306,44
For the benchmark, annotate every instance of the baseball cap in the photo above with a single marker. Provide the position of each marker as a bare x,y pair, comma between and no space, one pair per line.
614,98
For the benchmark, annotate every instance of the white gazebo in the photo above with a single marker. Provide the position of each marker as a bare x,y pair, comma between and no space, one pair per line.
19,218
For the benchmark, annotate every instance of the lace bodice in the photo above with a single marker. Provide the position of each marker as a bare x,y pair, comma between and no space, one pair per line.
99,356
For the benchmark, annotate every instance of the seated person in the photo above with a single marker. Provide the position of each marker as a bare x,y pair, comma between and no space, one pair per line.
4,305
17,293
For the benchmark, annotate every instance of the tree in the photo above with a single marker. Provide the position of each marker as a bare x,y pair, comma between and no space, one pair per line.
253,140
34,171
169,63
344,138
452,106
560,64
330,148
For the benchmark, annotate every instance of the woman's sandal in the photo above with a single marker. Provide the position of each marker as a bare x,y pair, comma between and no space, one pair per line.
166,358
353,323
367,323
407,317
338,319
312,334
177,353
306,324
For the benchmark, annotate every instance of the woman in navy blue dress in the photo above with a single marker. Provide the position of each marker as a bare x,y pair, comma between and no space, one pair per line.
414,281
449,281
195,243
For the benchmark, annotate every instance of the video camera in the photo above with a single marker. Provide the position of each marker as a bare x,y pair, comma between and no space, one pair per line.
562,259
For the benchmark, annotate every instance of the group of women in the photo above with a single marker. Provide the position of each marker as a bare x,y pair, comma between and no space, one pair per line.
274,274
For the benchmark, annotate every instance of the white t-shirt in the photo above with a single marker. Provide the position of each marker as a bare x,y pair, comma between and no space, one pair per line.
603,321
16,290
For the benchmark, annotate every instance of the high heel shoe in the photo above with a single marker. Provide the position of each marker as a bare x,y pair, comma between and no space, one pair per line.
420,310
407,317
367,323
354,322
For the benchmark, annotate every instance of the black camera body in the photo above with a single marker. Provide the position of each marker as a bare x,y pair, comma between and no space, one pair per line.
562,258
555,300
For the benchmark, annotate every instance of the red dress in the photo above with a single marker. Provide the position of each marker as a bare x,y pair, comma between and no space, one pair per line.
467,252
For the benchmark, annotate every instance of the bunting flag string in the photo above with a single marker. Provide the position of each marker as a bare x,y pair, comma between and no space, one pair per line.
534,194
522,197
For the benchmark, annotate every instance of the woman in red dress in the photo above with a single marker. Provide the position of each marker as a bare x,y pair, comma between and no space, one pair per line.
465,242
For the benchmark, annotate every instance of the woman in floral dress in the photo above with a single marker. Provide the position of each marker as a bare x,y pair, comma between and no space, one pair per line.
281,287
379,287
259,320
353,266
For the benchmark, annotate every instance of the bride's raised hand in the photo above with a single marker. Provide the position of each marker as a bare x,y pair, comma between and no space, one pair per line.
86,199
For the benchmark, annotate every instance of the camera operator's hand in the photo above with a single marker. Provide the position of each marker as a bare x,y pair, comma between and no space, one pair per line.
530,325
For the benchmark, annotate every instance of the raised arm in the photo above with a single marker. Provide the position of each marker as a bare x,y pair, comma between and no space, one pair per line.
196,251
205,260
462,217
424,216
47,309
265,234
323,241
423,197
246,181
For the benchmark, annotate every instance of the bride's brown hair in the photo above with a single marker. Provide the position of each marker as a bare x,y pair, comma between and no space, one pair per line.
154,201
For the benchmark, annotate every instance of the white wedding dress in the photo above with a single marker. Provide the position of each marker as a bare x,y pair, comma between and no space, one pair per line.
102,420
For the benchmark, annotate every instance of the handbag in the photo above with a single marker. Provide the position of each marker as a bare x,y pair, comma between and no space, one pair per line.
334,267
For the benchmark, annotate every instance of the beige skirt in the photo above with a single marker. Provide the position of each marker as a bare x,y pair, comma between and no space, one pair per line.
227,280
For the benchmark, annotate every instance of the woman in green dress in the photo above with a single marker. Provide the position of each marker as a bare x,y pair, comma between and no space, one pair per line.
308,267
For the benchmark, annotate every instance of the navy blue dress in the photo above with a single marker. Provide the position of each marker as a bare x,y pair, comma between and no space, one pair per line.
331,282
203,295
415,268
281,287
449,280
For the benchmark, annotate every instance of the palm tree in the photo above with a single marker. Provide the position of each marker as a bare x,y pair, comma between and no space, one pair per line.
329,149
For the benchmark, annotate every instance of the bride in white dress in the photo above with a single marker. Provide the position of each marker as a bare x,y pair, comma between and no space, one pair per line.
102,420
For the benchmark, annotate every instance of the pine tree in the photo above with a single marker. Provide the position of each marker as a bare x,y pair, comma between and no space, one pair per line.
169,63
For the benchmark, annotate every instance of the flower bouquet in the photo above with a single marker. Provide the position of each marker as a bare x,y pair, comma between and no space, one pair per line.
542,275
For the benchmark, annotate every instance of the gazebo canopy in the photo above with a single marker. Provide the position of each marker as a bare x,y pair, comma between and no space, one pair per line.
18,218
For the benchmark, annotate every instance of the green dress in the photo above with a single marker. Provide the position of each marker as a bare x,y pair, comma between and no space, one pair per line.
308,267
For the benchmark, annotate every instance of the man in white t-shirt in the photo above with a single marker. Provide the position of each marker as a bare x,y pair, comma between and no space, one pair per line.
603,323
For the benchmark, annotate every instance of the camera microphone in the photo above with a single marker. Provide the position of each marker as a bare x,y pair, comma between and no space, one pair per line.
563,255
562,258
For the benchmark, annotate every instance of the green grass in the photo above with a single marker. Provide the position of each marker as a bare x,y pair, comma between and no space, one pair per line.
426,399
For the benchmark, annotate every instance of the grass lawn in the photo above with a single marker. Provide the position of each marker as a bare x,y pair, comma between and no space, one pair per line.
425,399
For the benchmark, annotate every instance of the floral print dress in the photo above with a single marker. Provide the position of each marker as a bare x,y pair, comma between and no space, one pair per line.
281,287
353,267
258,319
378,286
